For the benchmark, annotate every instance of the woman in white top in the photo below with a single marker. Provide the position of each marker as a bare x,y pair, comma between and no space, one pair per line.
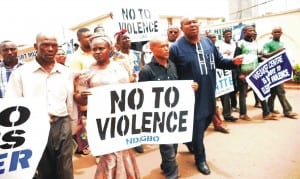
104,72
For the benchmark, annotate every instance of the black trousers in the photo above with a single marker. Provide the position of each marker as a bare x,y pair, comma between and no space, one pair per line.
168,155
280,92
56,162
226,104
199,128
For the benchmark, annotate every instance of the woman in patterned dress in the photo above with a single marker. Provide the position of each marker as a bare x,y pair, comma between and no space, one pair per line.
121,164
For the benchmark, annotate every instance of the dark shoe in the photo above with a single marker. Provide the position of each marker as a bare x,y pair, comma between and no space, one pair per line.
245,117
257,105
270,117
203,168
275,112
222,130
291,115
139,149
190,147
170,173
230,119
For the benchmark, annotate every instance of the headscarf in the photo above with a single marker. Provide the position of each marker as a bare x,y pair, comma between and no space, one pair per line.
119,34
101,36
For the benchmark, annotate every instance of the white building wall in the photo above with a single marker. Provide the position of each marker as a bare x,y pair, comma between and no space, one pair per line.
288,21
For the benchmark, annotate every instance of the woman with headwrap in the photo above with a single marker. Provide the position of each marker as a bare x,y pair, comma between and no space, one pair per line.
104,71
130,58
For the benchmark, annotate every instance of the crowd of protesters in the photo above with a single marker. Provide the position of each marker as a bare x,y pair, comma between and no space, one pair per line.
181,54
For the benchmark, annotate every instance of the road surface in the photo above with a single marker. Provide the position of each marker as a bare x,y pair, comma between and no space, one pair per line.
254,149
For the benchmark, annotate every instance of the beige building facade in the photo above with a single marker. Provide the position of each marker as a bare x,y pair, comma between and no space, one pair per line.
287,20
106,20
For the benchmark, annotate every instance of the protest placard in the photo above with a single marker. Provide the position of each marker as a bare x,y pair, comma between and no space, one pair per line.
127,115
141,23
224,82
271,72
26,53
24,128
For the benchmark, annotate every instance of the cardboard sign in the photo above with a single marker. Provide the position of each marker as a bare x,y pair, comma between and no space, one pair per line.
127,115
224,82
270,73
26,54
141,23
24,128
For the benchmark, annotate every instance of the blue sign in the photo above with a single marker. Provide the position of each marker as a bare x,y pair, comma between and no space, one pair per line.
270,73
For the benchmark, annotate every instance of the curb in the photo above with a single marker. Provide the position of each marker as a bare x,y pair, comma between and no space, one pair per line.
295,86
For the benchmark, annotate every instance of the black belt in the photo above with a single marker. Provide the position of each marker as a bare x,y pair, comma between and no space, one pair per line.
54,119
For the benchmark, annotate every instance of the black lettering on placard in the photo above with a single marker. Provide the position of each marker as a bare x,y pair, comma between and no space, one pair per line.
157,92
226,72
158,122
22,56
32,54
128,14
115,99
12,117
102,129
139,27
219,73
6,114
145,13
169,126
135,128
168,97
164,123
182,120
13,139
151,122
146,120
132,96
123,125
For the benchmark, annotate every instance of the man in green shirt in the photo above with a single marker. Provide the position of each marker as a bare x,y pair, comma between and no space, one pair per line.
269,49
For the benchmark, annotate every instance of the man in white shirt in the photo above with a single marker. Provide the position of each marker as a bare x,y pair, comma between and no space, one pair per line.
53,83
229,102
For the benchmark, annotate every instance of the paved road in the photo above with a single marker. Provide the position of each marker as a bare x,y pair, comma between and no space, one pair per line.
254,149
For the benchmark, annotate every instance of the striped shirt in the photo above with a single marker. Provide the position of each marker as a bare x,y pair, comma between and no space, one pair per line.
4,76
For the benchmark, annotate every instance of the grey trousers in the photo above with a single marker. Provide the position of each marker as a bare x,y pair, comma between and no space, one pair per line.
56,161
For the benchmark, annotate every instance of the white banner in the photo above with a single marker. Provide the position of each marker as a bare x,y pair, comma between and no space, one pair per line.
224,82
26,54
127,115
24,128
141,23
